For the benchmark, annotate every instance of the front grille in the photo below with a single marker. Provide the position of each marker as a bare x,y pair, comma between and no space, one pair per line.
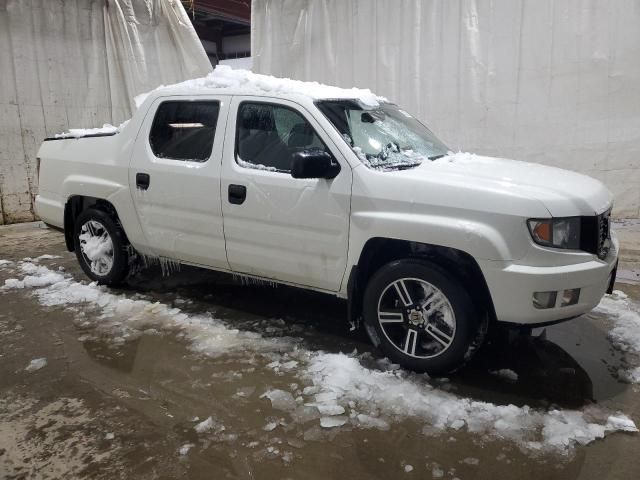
604,234
595,234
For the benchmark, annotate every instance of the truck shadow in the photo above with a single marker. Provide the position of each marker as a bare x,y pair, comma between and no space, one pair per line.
542,370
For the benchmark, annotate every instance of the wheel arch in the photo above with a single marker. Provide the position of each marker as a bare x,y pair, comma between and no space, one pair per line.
75,205
379,251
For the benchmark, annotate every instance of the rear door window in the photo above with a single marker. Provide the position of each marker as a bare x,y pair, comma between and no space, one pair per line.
184,130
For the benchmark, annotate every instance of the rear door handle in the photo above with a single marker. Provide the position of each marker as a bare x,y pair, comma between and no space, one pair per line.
237,194
143,180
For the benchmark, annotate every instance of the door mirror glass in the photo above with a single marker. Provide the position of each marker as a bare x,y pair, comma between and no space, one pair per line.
313,164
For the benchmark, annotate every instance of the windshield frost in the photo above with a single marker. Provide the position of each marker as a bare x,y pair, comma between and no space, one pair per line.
385,137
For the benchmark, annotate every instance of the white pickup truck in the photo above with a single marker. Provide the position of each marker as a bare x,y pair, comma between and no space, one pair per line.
337,191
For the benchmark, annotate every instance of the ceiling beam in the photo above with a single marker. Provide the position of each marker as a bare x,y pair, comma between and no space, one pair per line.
232,10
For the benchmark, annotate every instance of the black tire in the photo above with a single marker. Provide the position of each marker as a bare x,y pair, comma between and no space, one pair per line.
119,268
430,353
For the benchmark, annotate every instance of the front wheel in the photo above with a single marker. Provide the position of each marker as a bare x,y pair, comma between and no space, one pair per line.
101,247
422,317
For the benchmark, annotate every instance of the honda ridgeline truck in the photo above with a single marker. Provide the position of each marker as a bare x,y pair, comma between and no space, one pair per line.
340,192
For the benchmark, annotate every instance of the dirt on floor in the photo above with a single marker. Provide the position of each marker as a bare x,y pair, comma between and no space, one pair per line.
198,375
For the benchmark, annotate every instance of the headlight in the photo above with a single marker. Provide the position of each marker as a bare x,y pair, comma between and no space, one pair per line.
556,232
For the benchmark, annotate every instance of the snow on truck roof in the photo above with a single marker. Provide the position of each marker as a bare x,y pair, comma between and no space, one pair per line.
226,80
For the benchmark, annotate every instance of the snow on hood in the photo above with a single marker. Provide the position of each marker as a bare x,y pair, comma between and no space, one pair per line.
563,192
339,389
245,82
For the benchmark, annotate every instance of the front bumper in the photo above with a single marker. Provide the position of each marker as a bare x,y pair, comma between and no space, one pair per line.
512,286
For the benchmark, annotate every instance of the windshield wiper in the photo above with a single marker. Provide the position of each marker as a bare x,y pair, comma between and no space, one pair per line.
403,166
435,157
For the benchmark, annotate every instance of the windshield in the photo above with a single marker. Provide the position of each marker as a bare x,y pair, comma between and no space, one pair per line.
385,137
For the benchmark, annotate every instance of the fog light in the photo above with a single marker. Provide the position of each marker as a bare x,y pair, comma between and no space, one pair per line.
570,297
544,299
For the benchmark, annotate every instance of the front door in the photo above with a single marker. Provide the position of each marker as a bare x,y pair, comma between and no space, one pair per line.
175,178
276,226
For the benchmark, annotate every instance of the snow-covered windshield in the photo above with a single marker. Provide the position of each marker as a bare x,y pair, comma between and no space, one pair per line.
384,137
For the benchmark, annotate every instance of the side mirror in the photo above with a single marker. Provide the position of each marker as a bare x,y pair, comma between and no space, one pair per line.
313,164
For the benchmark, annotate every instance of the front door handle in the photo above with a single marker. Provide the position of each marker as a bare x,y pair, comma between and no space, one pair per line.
237,194
143,180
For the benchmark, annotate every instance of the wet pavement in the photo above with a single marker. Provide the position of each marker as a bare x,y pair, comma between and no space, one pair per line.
199,376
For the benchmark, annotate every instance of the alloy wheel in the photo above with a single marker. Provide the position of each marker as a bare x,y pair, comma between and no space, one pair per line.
96,247
416,317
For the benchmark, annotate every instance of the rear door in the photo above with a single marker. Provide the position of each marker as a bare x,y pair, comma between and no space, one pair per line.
276,226
175,178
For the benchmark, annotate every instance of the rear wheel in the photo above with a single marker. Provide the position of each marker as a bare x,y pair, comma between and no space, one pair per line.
422,317
101,247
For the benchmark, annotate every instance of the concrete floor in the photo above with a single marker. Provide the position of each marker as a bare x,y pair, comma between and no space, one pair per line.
113,403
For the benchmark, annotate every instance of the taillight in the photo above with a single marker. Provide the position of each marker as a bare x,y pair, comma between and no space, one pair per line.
38,168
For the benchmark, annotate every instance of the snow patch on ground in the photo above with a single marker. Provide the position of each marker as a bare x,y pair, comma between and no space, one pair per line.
367,421
625,334
130,317
37,276
397,394
331,422
208,425
270,426
36,364
184,449
46,256
224,78
280,399
340,390
505,373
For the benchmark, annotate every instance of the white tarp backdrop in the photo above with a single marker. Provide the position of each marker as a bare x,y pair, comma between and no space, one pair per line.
548,81
79,63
